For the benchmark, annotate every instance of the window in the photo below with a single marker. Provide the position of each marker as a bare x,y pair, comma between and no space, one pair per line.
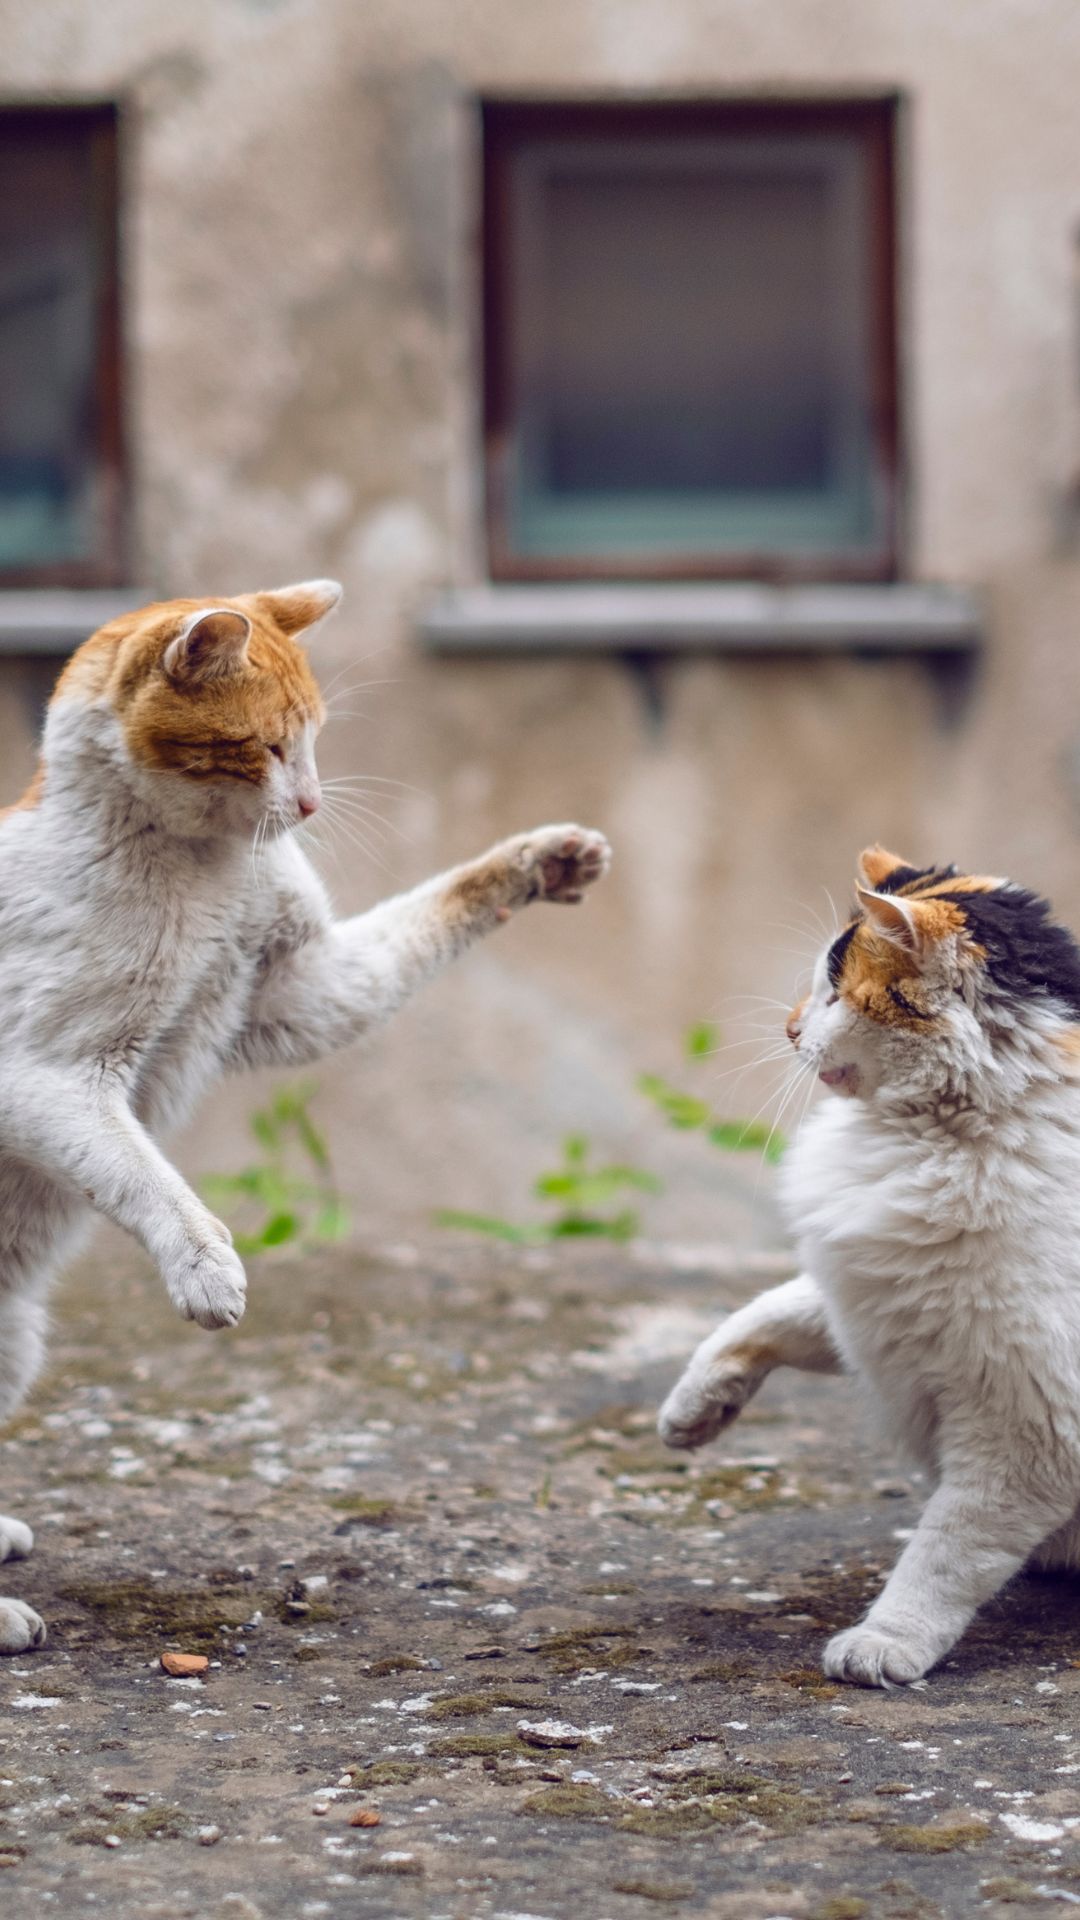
60,457
689,340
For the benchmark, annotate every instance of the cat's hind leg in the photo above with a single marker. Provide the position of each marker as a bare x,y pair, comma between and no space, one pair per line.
22,1349
785,1327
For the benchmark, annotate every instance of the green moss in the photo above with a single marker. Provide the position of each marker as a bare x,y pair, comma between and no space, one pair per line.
366,1511
401,1869
459,1706
569,1803
809,1680
145,1823
388,1773
1007,1888
940,1839
841,1906
693,1805
151,1611
601,1645
726,1670
483,1746
609,1586
398,1663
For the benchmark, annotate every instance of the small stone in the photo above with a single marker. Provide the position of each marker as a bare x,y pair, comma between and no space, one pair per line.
261,1706
487,1653
182,1665
365,1817
208,1836
111,1840
321,1807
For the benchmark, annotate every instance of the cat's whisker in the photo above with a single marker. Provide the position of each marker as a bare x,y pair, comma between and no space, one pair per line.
351,802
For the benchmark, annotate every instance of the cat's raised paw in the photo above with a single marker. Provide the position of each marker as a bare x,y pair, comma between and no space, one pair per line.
208,1284
562,861
20,1627
868,1656
16,1539
706,1400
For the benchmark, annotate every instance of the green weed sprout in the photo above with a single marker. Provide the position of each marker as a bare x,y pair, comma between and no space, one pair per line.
583,1196
280,1203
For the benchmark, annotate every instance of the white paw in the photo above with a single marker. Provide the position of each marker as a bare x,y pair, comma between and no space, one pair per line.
16,1539
706,1400
561,862
20,1627
207,1282
870,1657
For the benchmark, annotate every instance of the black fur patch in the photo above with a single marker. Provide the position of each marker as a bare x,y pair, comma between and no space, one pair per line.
838,952
1028,954
901,879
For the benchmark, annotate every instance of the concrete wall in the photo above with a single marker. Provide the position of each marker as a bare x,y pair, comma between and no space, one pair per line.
299,248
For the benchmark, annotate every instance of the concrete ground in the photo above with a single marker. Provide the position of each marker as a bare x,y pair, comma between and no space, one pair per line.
415,1513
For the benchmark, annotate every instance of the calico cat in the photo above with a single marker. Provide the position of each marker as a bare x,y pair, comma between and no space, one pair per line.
160,926
936,1207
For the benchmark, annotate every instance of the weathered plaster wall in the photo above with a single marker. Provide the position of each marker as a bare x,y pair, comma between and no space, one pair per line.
299,286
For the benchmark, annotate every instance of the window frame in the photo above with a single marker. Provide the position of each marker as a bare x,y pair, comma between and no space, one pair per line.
506,123
105,567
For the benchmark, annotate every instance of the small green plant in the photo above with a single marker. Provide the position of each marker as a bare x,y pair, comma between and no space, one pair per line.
690,1113
278,1202
583,1196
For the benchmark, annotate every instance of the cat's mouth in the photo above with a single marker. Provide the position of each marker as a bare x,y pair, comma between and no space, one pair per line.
843,1079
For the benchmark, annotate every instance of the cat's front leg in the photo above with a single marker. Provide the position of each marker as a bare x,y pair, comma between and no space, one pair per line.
550,863
348,976
974,1535
785,1327
85,1136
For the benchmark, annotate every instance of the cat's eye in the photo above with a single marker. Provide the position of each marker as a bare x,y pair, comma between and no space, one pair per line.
278,753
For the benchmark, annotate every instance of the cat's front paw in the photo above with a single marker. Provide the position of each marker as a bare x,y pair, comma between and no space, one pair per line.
207,1282
869,1656
16,1539
559,863
20,1627
706,1400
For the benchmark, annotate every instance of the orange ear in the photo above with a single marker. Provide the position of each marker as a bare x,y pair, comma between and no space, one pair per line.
209,646
894,918
876,864
296,608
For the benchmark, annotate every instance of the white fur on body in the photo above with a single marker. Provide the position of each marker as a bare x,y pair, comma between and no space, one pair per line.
138,963
941,1239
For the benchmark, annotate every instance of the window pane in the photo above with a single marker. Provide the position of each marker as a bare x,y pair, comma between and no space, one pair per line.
54,258
691,352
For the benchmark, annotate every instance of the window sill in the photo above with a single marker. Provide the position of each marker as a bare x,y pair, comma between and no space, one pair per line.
724,617
53,620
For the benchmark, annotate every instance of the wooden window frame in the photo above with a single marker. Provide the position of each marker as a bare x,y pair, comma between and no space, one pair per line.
505,125
106,566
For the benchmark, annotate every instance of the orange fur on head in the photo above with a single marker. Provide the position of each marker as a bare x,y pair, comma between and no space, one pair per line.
207,687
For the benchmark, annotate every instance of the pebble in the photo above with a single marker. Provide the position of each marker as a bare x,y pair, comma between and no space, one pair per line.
180,1665
365,1817
321,1806
208,1836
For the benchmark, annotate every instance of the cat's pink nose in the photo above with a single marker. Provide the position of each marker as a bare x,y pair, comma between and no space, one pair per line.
309,800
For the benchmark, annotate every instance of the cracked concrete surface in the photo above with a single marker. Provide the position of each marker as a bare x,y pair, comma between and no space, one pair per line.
415,1514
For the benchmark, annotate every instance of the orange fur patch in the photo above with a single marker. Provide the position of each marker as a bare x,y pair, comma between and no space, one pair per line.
879,978
876,864
207,729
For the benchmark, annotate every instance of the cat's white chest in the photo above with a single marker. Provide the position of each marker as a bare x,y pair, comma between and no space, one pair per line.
142,966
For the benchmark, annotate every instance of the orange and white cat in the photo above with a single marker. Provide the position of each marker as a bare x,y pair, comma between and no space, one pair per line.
936,1207
144,952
